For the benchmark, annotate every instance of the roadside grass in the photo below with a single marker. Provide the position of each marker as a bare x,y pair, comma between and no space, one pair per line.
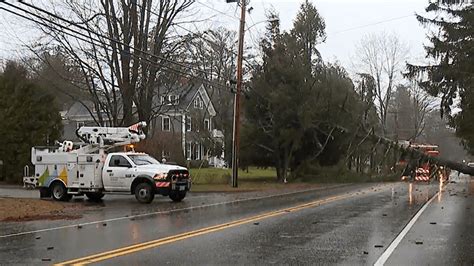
215,179
337,174
222,176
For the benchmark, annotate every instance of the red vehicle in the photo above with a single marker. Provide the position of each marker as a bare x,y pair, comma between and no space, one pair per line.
423,171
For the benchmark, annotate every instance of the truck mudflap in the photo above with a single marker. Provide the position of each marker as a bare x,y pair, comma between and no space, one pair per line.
45,192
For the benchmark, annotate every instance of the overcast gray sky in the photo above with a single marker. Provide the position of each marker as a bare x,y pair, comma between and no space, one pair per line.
347,21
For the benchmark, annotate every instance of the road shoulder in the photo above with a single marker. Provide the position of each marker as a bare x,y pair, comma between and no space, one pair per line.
443,233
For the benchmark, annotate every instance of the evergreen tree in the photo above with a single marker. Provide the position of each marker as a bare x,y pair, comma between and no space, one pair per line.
300,111
309,31
29,118
452,48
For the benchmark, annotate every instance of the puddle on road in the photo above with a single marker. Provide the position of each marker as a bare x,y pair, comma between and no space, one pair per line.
441,190
419,193
471,186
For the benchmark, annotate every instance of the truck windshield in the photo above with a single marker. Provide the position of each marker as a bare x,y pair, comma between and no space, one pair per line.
143,159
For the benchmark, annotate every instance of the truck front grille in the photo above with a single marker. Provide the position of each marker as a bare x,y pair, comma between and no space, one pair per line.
178,175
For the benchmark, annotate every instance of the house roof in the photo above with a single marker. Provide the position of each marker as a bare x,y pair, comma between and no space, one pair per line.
187,97
78,111
187,94
202,92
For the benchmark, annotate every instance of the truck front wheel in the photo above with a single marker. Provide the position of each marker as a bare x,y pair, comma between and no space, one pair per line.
177,196
144,193
59,192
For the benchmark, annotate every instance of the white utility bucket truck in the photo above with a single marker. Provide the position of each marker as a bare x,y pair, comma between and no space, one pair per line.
93,168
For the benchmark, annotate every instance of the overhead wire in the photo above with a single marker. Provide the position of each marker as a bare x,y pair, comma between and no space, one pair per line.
218,11
156,56
249,29
194,33
92,39
101,35
369,25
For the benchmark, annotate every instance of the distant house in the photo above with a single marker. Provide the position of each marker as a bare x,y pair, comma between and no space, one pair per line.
188,116
75,116
183,130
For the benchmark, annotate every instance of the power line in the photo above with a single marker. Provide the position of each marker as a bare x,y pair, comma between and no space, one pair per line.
94,40
200,35
249,29
95,33
218,11
369,25
105,37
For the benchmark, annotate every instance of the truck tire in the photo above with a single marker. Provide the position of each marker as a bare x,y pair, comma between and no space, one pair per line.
177,196
59,192
95,196
144,193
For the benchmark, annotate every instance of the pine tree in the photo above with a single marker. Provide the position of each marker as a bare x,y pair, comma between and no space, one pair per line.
451,77
29,118
300,110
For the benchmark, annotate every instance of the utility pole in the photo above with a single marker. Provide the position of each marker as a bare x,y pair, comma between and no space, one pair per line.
236,131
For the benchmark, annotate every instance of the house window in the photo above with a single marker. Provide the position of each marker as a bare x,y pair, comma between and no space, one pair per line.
170,99
174,99
198,103
188,123
166,124
193,151
188,150
80,124
207,124
196,151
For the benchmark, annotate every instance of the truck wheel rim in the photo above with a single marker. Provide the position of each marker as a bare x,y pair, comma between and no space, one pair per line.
57,192
143,193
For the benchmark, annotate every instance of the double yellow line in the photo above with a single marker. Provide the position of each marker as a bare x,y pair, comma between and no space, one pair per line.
167,240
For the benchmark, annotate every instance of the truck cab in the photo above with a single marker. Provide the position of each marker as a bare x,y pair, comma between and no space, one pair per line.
124,172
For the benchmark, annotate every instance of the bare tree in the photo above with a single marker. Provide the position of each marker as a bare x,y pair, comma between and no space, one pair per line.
382,56
124,49
409,107
214,52
423,105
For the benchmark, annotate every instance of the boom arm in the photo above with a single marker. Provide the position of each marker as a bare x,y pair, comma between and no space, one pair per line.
112,136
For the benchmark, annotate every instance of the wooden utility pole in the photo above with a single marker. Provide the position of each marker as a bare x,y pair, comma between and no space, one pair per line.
236,131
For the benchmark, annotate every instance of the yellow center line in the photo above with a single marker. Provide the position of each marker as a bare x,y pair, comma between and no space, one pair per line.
167,240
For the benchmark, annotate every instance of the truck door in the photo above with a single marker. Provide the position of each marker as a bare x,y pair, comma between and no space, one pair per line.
117,174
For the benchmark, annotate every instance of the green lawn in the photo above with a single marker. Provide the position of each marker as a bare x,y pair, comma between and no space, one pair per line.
222,176
216,179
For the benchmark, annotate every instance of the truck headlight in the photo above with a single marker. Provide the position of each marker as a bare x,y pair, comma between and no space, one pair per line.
160,176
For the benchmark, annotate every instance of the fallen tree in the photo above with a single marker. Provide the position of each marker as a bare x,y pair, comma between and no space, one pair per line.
416,154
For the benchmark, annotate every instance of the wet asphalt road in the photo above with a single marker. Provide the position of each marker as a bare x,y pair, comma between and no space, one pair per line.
355,228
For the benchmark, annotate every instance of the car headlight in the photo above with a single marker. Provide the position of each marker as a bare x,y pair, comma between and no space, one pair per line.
160,176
